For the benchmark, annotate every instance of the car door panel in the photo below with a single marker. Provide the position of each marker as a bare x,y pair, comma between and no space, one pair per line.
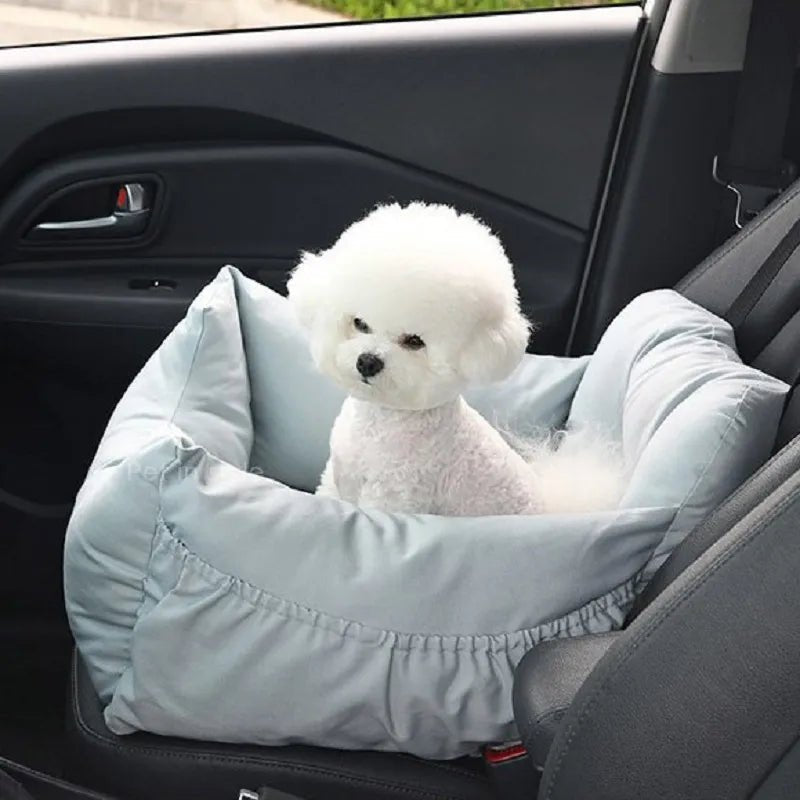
253,205
521,105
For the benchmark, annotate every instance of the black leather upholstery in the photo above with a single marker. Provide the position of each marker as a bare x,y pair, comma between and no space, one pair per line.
18,782
700,697
545,684
550,676
144,767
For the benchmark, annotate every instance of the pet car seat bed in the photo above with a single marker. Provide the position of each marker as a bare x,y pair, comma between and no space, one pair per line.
212,596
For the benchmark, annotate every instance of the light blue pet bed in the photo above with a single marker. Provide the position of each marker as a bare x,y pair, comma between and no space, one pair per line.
210,600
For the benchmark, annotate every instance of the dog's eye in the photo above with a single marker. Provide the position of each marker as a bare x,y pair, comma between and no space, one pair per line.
360,325
411,342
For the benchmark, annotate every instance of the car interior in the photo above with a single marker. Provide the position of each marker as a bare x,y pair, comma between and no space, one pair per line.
614,149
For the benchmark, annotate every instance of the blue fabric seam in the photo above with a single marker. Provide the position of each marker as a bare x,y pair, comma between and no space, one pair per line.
711,461
147,571
576,619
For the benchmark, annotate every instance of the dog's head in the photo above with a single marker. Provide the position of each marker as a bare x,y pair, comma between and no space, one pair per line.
411,305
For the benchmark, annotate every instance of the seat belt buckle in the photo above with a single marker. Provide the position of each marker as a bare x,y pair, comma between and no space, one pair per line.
510,771
752,199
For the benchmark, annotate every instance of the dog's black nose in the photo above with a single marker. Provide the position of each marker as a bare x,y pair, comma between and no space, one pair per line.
368,364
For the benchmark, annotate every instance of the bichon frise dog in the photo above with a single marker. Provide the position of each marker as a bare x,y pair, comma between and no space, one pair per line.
409,307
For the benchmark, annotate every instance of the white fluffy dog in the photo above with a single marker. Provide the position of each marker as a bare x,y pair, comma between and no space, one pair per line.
408,307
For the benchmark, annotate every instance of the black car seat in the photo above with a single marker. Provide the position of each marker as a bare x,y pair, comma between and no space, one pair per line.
698,697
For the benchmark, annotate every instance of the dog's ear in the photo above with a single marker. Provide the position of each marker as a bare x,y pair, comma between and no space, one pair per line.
495,350
306,288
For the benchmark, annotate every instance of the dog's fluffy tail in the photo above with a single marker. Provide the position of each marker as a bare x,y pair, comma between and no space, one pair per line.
576,471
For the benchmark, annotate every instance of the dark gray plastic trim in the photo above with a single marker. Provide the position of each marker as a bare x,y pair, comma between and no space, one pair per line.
520,105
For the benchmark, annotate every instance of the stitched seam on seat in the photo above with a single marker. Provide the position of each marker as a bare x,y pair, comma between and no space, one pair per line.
744,236
591,610
548,715
345,777
532,722
662,616
530,740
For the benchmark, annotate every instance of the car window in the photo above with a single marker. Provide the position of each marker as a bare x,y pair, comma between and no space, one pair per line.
25,22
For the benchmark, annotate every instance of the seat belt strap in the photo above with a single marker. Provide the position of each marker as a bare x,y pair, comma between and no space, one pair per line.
753,167
754,289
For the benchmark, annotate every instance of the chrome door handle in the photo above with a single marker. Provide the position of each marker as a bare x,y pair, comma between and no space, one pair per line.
128,219
118,219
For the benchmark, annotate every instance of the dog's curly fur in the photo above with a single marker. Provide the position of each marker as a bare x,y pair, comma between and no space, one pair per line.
410,306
